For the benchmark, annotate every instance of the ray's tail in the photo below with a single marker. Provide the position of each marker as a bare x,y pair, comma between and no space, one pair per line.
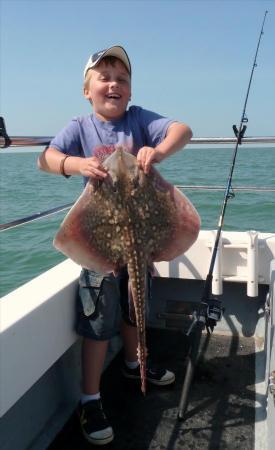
137,278
142,355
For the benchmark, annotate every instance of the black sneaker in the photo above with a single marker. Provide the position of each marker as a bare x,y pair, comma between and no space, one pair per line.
94,424
154,375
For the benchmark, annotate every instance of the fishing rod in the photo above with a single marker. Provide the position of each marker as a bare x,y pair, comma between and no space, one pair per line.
33,217
210,309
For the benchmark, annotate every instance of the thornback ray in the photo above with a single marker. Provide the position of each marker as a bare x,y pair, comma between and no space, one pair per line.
132,219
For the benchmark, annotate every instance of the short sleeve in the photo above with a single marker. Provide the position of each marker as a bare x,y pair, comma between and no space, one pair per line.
154,125
68,140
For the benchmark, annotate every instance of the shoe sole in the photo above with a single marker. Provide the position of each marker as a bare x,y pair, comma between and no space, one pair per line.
150,380
99,442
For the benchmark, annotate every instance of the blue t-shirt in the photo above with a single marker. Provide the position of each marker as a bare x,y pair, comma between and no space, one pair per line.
137,128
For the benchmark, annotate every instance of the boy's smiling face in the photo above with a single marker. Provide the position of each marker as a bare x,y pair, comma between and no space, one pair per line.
109,90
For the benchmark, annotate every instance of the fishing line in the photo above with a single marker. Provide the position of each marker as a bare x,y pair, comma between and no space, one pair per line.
210,309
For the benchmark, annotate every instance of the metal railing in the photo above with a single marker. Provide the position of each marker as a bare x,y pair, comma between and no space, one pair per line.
202,187
34,141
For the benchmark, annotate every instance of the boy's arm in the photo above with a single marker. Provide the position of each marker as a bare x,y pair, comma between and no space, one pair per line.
177,136
53,161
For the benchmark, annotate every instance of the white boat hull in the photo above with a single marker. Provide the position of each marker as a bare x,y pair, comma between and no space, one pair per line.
39,350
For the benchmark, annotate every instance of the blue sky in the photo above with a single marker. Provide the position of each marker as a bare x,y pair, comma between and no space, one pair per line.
191,60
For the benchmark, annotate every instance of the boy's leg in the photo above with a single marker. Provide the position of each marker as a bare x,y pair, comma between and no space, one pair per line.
154,374
94,423
130,341
97,319
93,357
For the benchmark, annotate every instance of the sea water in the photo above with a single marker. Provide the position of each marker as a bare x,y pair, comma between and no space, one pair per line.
27,250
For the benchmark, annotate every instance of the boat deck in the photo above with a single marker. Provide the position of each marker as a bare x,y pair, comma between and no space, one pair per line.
221,411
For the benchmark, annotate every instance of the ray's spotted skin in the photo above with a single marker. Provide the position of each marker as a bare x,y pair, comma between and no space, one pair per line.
130,219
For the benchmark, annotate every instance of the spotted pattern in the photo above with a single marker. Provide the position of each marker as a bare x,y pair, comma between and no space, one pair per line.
126,219
130,219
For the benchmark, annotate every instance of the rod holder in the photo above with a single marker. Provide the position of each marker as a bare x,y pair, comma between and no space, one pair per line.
252,264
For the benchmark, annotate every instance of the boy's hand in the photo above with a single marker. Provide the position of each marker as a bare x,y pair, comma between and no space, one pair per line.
91,167
147,156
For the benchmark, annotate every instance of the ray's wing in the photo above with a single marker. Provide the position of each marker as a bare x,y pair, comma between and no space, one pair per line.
166,222
91,232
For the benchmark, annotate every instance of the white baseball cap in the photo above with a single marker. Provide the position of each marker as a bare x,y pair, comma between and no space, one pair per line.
116,51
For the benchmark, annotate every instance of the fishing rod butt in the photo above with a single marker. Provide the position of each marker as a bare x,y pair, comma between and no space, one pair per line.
189,374
185,391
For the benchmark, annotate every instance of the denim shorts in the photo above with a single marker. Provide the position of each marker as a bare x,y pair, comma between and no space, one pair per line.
101,303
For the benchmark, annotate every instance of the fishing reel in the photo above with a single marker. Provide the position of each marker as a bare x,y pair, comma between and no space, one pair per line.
240,133
214,312
208,313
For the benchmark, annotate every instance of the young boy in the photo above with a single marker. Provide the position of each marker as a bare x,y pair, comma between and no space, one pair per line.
149,136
